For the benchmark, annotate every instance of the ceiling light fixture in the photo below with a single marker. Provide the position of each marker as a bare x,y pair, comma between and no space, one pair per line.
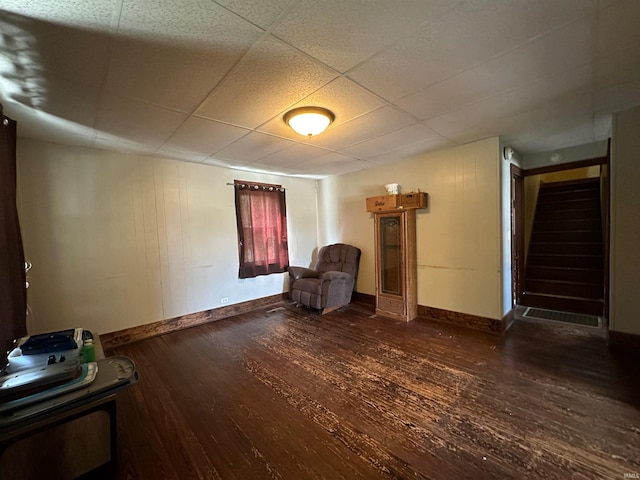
309,121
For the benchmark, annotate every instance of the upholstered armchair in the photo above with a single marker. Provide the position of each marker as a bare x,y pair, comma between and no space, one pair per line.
329,286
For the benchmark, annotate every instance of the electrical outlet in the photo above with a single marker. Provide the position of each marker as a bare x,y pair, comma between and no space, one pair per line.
224,300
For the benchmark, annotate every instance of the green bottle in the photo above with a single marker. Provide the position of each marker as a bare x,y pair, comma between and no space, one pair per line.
88,351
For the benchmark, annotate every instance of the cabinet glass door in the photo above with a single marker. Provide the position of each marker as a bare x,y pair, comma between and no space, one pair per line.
390,235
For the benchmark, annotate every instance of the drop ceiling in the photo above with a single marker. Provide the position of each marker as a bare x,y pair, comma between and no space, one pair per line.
209,81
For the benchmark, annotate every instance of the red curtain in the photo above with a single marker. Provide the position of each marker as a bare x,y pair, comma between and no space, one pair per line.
13,292
262,229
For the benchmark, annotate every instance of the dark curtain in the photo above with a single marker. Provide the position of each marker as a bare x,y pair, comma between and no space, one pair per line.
13,292
262,229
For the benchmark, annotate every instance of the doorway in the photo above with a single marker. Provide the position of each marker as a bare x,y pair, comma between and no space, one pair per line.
557,235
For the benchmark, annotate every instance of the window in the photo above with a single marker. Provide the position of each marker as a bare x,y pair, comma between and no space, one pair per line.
262,229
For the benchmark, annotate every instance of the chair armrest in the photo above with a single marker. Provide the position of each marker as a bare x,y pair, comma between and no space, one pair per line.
337,288
297,273
333,275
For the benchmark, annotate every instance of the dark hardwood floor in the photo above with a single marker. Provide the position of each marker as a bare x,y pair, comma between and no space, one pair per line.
293,395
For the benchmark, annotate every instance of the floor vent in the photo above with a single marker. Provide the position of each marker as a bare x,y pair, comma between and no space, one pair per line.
565,317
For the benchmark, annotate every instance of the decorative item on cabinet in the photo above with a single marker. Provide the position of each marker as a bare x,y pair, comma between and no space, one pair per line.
392,188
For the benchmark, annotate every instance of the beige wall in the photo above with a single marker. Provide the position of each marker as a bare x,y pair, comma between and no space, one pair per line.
121,240
625,223
458,236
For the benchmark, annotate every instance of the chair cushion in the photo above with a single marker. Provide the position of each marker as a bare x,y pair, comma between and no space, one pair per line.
339,257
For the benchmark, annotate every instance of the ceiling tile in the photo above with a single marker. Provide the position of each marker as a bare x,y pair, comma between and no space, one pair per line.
197,22
72,101
409,150
542,128
136,121
292,156
605,3
561,133
484,114
406,136
618,68
268,80
349,33
461,39
342,96
93,15
178,51
379,122
202,136
334,164
618,27
252,147
38,49
616,98
560,50
175,75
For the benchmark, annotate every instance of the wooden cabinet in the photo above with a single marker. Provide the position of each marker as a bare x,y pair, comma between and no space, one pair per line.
396,269
395,245
385,203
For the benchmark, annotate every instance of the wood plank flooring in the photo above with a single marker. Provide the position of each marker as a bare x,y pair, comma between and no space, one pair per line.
348,395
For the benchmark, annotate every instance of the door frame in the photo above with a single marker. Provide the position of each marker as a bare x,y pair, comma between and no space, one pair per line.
516,205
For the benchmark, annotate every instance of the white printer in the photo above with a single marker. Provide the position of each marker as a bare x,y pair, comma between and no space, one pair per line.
44,365
45,349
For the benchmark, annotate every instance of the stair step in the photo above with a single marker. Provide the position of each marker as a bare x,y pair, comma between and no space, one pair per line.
566,225
571,236
591,275
568,214
569,248
564,196
586,190
545,204
573,261
563,303
593,291
571,185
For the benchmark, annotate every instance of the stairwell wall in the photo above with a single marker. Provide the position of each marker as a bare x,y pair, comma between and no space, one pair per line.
625,223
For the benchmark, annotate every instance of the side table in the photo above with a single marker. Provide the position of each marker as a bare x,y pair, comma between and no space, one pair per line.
73,435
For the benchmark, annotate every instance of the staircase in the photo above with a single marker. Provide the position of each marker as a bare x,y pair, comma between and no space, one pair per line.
565,262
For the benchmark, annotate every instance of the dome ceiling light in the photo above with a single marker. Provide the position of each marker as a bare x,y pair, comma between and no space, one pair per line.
309,121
